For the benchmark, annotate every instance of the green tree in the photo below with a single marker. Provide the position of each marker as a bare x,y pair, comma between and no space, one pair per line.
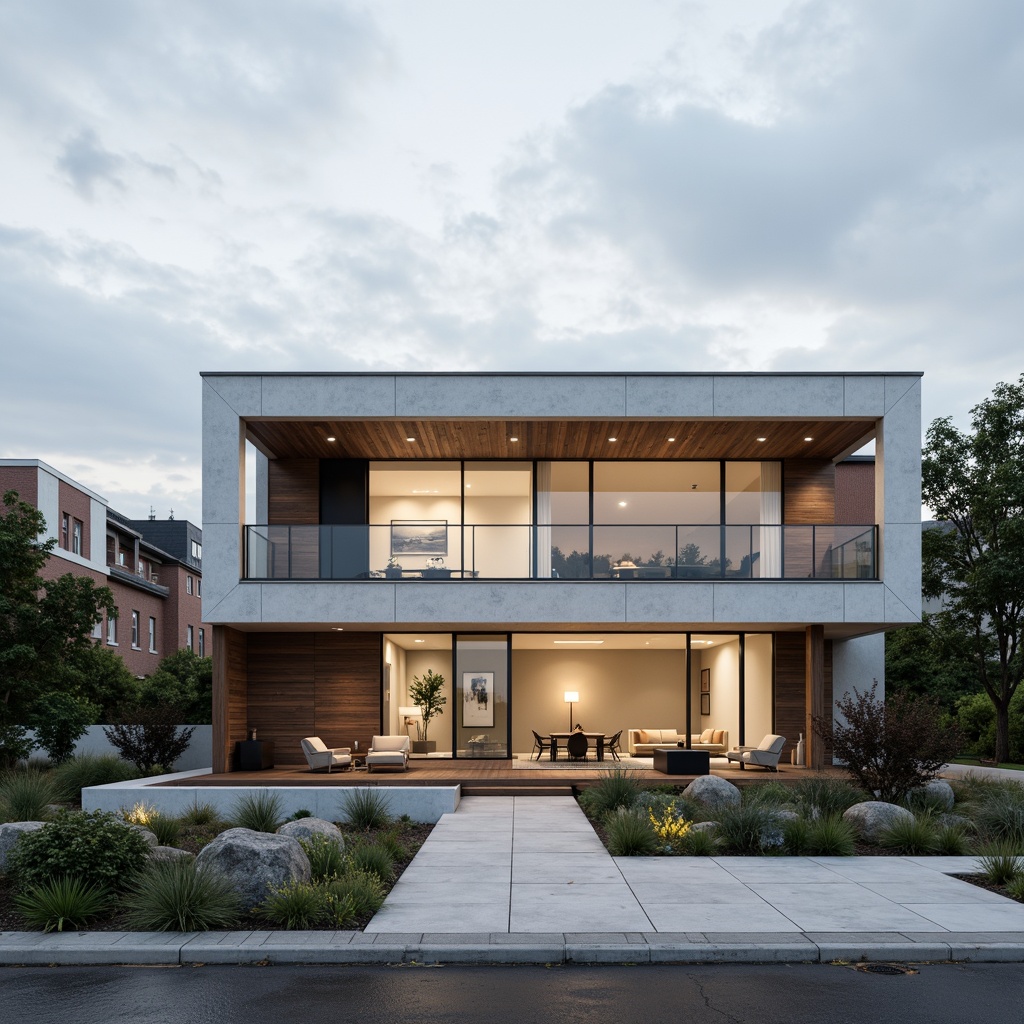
974,482
101,677
427,695
43,623
60,720
923,660
184,680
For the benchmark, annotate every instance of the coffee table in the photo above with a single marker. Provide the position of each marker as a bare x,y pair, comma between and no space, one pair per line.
680,761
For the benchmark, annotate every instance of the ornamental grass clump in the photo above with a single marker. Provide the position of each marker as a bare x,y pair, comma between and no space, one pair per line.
199,816
630,833
831,836
259,811
174,896
374,859
26,795
670,828
1001,862
326,858
750,830
366,808
62,902
767,794
616,789
700,843
295,905
821,797
1000,814
952,840
363,888
913,837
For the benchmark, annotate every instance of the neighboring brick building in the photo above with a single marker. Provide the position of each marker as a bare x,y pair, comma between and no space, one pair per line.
153,567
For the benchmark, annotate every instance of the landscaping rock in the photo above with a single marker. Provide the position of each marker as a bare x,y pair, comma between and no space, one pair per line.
704,826
10,833
164,853
948,820
784,814
712,791
937,791
150,837
254,862
306,828
873,817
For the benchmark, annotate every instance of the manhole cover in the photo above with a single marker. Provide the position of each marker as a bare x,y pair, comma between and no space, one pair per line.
883,969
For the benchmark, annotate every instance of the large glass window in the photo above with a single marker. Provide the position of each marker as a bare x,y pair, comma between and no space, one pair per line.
481,696
499,517
563,501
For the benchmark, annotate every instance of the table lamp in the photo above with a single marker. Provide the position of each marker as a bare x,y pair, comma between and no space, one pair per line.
571,697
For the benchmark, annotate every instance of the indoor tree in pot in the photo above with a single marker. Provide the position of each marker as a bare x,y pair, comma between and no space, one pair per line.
427,695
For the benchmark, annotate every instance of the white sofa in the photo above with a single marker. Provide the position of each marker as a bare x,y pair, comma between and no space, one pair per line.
643,742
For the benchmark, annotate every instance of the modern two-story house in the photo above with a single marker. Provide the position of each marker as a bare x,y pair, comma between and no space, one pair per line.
622,550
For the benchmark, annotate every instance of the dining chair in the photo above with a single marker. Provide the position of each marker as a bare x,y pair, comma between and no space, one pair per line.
611,745
540,744
577,746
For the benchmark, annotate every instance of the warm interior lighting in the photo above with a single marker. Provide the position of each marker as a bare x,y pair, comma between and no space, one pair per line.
622,504
513,439
762,439
338,629
332,439
808,438
410,439
419,641
571,697
578,641
613,439
671,438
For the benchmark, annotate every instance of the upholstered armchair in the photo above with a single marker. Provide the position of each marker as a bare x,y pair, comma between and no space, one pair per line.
320,756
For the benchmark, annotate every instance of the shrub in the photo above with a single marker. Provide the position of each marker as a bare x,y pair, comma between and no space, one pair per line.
831,836
373,858
166,828
819,796
658,802
630,833
148,736
260,811
173,896
1000,813
1000,862
767,794
750,830
796,834
340,907
920,801
84,770
63,901
301,813
670,827
1015,888
366,807
15,744
295,905
363,889
913,837
60,720
326,859
617,788
889,746
951,840
701,843
25,796
199,815
96,848
394,846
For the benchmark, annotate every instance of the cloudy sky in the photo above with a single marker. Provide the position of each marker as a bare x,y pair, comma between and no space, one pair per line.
492,185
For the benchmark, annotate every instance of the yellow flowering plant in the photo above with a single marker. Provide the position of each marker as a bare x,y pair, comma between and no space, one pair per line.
670,828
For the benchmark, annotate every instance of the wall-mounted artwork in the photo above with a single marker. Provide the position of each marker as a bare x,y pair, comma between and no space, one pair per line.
705,680
419,537
705,703
478,699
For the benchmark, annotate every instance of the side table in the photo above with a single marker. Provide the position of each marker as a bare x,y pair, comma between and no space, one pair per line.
680,761
254,755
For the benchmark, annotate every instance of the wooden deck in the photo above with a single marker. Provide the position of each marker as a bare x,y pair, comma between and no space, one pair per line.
483,778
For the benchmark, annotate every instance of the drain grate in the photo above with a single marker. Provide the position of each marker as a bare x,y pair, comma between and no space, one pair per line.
884,969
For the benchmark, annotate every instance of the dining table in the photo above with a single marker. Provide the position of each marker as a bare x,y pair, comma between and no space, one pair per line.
595,739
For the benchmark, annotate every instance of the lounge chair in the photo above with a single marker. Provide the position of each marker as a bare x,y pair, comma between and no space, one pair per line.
320,756
388,752
765,755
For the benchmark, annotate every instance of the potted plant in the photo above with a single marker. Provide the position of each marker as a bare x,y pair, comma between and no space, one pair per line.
435,570
393,571
427,695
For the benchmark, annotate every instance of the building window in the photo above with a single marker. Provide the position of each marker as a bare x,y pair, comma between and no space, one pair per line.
188,584
188,642
135,629
64,531
76,537
197,550
199,587
112,630
97,630
202,642
152,635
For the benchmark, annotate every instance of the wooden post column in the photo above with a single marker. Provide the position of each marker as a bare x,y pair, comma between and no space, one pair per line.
815,700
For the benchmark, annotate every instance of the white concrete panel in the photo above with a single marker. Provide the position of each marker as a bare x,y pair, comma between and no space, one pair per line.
864,602
242,603
329,396
898,386
329,603
532,602
98,534
198,754
511,396
901,458
857,663
902,574
897,610
676,603
220,565
242,394
863,396
668,395
223,460
262,488
778,602
48,502
747,396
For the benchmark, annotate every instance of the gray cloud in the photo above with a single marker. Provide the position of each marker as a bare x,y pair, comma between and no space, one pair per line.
85,163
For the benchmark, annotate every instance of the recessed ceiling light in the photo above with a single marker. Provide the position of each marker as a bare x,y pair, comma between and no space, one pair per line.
613,439
622,504
332,439
513,439
338,629
671,438
762,439
468,486
410,439
808,438
419,641
578,641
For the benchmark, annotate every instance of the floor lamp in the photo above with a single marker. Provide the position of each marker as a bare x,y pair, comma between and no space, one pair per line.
571,697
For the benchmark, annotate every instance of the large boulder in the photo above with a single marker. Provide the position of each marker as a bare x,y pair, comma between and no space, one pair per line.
10,833
306,828
938,793
165,853
873,817
712,791
254,862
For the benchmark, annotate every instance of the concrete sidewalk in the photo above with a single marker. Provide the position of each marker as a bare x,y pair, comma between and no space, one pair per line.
526,879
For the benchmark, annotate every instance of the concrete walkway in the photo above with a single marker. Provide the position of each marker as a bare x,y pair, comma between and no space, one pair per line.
526,879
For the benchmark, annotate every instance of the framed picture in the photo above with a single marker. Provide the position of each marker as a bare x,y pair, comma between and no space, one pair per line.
705,680
705,703
419,536
478,699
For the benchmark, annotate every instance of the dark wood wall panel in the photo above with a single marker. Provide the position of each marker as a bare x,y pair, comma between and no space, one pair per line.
293,491
790,688
230,713
281,691
347,688
809,487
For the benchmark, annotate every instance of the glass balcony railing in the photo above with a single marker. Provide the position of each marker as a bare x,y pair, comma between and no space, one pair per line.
438,551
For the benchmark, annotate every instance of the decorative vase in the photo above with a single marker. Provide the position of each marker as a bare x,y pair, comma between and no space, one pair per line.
800,750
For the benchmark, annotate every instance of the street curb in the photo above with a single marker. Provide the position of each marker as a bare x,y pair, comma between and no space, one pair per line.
163,948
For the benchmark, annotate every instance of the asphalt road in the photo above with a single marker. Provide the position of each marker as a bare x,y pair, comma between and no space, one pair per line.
818,993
